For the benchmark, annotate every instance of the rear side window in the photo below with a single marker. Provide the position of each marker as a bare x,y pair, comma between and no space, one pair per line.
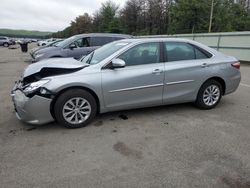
201,54
117,38
179,51
100,41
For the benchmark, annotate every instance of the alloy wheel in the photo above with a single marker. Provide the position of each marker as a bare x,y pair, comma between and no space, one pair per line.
76,110
211,95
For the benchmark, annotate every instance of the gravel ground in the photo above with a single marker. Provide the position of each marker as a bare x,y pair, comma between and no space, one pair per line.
169,146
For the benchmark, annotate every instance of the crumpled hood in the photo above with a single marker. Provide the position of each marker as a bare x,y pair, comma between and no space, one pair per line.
53,63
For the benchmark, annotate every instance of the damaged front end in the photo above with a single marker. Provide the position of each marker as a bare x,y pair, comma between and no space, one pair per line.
32,100
31,106
33,84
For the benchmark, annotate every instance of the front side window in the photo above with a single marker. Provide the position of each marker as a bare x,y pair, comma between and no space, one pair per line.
82,42
142,54
179,51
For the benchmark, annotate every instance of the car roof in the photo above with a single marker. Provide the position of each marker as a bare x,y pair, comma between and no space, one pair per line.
151,39
104,35
165,39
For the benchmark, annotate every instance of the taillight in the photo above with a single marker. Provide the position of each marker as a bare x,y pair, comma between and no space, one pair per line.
236,65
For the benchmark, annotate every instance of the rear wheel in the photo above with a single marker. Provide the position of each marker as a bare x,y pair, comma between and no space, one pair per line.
75,108
209,95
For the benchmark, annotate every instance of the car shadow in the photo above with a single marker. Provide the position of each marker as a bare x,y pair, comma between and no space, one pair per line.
127,114
112,116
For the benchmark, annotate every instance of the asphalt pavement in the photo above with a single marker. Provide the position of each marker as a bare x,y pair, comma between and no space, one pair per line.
167,146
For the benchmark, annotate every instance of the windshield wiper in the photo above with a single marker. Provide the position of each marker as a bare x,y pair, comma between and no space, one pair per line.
90,58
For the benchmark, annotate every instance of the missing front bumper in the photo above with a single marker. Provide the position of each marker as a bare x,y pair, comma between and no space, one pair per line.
34,110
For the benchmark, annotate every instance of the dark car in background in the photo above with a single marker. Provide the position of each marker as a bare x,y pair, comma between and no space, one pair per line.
77,46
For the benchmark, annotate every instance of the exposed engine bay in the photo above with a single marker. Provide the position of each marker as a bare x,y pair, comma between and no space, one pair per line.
46,72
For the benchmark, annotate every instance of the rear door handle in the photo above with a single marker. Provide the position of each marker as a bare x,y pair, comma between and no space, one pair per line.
157,71
204,65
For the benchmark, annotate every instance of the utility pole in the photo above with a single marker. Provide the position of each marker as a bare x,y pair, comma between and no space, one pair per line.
211,16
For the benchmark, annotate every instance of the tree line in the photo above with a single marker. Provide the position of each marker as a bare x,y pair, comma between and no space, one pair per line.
154,17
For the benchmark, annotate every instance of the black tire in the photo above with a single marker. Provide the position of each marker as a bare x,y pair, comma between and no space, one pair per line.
200,102
43,44
71,94
6,44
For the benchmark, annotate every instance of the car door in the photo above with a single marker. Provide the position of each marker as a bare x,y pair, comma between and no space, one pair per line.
82,48
186,68
139,83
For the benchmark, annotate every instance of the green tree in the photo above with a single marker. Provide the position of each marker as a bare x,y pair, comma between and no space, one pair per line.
82,24
190,16
146,17
133,16
106,19
229,16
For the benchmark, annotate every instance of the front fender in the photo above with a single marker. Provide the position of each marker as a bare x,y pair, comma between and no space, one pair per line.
91,82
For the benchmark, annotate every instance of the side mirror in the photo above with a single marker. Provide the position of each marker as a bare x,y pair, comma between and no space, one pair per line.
118,63
72,46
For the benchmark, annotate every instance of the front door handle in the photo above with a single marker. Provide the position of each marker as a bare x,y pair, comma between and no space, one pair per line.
157,71
204,65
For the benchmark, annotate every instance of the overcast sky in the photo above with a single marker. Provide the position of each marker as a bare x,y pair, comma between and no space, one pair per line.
45,15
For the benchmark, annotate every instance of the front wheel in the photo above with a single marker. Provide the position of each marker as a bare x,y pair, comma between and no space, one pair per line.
75,108
6,44
209,95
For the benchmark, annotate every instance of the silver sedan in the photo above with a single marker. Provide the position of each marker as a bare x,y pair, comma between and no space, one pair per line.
126,74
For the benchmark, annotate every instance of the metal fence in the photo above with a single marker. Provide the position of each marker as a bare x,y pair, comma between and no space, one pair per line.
236,44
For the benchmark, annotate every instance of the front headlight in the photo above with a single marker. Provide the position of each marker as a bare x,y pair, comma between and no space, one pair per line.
34,86
39,55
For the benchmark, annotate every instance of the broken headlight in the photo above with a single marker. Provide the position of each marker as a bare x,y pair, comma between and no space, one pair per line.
34,86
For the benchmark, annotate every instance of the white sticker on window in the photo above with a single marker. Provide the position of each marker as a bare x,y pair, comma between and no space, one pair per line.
121,44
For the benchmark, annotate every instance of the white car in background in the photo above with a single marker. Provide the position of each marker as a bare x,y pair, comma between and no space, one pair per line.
5,41
45,42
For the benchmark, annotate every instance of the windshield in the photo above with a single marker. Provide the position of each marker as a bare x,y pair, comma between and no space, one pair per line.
56,43
66,42
101,53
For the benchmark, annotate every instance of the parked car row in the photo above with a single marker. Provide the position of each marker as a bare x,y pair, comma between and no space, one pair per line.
6,41
123,74
50,44
46,42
